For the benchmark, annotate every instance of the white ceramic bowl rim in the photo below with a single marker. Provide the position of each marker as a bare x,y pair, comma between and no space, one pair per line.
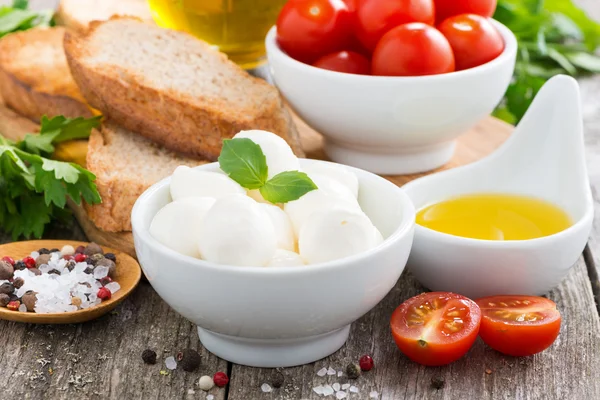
510,47
406,224
513,244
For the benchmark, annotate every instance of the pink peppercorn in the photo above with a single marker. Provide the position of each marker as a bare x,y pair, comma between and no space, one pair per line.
80,257
104,294
221,379
9,260
366,363
29,262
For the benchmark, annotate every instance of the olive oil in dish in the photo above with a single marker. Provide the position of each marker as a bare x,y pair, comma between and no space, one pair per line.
495,216
237,27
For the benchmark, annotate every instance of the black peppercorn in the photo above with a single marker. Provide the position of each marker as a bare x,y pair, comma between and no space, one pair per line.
277,379
54,250
111,257
189,360
92,249
71,264
4,299
43,250
18,282
437,382
54,271
149,356
20,265
93,259
7,288
353,371
89,270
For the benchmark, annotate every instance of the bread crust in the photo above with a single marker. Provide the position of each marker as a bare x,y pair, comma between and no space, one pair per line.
168,119
22,88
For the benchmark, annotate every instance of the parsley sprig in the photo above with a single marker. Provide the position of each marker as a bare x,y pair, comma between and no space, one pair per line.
245,163
34,188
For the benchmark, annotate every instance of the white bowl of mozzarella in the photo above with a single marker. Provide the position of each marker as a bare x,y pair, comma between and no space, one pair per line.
273,285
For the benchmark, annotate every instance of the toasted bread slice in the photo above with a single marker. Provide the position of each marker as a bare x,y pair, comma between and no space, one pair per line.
77,14
14,126
172,88
125,165
34,76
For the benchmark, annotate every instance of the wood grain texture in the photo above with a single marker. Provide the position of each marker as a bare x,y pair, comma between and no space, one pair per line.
127,274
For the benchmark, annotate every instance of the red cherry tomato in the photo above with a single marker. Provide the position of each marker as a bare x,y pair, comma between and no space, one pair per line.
345,61
518,325
376,17
411,50
474,40
449,8
309,29
436,328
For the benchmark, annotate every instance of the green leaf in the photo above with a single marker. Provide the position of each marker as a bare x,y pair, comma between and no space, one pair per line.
287,186
20,4
69,128
62,171
38,144
13,20
562,61
244,162
586,61
590,29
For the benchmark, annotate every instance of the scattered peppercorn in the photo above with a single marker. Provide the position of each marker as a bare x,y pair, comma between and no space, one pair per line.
149,356
93,248
6,270
42,259
70,265
29,300
18,282
54,271
9,260
76,301
4,299
80,249
29,262
221,379
277,379
89,269
104,294
112,267
111,257
366,363
437,382
35,271
80,257
353,371
188,359
54,250
7,288
93,259
20,265
13,305
206,383
43,250
105,281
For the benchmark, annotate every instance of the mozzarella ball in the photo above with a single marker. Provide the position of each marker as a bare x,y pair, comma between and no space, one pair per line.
188,182
335,233
337,172
177,225
257,196
285,258
332,186
283,226
236,231
278,153
299,210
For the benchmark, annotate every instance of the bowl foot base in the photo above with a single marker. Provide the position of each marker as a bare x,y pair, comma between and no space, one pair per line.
273,353
387,162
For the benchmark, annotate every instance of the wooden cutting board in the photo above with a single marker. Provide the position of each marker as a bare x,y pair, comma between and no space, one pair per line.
472,146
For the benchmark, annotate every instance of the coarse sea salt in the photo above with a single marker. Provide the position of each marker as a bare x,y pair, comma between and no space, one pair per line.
374,395
170,363
210,397
100,272
341,395
266,388
328,390
353,389
336,386
318,389
331,371
113,287
322,372
340,373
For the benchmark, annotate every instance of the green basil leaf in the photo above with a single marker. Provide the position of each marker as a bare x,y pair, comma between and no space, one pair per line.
562,61
14,19
287,186
20,4
586,61
244,162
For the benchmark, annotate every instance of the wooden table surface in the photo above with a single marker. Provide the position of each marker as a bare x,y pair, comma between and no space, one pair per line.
101,359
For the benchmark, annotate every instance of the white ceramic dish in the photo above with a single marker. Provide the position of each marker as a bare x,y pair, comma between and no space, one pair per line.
392,125
543,158
278,317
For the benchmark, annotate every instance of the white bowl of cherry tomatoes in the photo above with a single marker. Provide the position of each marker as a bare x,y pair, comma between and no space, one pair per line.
391,84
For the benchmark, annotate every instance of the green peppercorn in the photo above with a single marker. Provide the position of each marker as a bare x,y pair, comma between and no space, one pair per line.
353,371
93,259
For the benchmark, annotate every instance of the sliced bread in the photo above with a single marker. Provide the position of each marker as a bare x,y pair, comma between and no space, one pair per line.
77,14
172,88
125,165
34,76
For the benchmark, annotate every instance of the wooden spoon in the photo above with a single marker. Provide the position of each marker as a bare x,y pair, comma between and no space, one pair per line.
128,275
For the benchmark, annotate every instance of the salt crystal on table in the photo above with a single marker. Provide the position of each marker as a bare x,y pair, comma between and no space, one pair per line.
210,397
266,388
353,389
336,387
318,389
23,308
327,390
322,372
100,272
331,371
170,363
374,395
341,395
113,287
340,373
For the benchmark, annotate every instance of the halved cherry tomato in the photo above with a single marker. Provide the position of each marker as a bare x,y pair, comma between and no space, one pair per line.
411,50
518,325
345,61
474,40
309,29
449,8
436,328
376,17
